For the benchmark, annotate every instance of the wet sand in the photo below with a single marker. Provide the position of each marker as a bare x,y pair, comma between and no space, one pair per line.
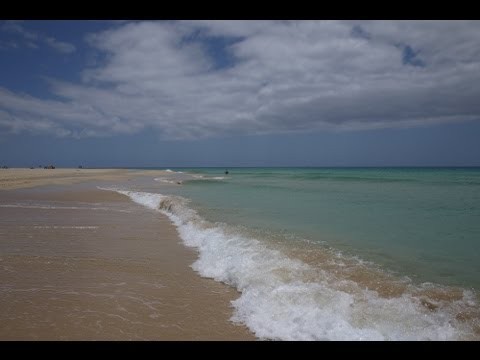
78,263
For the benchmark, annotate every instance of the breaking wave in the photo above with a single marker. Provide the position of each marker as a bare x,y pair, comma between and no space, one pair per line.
286,297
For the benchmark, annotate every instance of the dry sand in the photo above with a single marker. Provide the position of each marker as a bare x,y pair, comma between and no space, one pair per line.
17,178
78,263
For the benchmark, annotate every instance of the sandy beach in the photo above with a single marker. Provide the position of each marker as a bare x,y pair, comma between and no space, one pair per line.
17,178
79,263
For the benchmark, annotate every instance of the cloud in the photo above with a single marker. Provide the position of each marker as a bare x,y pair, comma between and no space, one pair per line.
288,76
33,39
15,27
410,57
60,46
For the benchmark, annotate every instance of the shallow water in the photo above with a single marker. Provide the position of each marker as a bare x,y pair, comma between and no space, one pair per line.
335,253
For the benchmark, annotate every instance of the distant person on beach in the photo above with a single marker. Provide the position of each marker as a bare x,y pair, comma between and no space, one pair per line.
226,172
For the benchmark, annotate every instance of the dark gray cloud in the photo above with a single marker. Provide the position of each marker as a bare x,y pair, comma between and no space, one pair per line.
195,79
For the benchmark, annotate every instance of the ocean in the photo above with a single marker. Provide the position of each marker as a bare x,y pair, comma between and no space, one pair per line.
334,253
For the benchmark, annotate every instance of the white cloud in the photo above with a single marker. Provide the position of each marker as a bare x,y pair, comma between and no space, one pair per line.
33,39
60,46
282,77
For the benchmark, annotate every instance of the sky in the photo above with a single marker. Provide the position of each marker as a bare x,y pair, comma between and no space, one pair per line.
239,93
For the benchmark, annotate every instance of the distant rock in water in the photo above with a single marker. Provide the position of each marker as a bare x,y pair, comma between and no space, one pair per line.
226,172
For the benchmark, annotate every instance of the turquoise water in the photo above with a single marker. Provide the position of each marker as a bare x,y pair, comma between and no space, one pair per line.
333,253
423,223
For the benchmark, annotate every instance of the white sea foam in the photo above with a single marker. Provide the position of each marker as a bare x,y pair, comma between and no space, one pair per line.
174,172
285,298
201,177
167,181
171,171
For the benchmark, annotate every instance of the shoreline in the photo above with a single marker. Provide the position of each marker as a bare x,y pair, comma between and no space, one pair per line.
86,264
20,178
161,265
